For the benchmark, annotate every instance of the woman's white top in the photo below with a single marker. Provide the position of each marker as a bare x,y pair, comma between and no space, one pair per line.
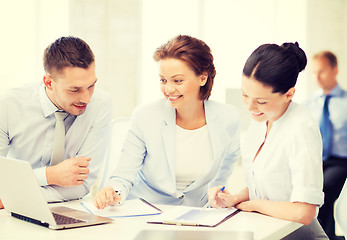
289,165
193,155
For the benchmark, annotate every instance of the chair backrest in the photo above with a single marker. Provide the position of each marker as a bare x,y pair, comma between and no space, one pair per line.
233,96
120,128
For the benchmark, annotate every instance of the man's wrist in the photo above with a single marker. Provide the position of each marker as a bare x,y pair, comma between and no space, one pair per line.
41,176
49,175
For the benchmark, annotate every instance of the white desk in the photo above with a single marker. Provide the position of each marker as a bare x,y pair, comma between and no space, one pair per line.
262,226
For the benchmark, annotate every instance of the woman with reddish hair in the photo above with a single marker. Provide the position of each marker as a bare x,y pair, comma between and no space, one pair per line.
178,146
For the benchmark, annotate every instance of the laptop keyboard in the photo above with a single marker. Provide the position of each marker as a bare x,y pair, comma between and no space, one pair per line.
62,220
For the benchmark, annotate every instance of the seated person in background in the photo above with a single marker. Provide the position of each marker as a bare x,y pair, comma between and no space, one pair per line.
341,209
329,107
182,144
281,152
28,121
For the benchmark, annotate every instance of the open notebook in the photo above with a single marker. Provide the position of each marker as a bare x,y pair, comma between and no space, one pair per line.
130,208
192,216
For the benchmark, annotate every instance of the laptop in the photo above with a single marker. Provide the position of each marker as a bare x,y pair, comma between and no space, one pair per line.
23,198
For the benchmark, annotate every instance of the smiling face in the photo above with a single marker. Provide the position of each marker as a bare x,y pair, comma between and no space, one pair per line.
71,88
262,103
179,83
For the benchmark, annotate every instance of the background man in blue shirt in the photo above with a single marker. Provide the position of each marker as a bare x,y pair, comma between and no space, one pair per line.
27,121
334,133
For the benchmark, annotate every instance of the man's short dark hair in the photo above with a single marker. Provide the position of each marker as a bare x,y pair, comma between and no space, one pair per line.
67,52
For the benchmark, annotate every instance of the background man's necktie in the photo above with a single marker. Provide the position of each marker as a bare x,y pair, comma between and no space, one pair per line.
326,129
59,138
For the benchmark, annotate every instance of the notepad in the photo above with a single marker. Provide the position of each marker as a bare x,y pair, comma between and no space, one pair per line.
191,216
130,208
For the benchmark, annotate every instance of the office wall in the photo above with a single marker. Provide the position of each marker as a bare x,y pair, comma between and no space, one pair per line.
124,35
161,20
27,27
317,25
326,30
236,28
112,28
232,29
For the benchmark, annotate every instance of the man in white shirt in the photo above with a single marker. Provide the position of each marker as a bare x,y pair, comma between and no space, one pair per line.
27,121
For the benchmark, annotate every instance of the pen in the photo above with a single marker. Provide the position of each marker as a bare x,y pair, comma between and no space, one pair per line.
150,204
117,193
209,202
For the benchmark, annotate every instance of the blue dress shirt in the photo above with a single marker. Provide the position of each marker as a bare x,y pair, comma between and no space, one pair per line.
337,114
27,125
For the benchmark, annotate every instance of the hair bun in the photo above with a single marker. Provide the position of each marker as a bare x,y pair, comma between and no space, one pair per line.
298,53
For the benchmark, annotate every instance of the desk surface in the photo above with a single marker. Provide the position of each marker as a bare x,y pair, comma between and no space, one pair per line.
262,226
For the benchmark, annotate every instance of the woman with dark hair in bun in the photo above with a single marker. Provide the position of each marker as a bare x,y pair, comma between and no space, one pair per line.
281,152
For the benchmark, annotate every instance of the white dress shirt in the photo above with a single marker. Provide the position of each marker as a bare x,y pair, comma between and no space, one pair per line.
27,125
289,165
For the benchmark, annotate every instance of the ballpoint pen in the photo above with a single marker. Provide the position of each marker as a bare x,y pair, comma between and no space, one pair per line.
115,194
209,202
150,204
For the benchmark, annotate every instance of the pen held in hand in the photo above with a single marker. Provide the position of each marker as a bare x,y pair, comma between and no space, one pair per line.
210,201
115,194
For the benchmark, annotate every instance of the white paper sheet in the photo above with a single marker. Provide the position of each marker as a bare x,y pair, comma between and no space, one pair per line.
182,215
130,208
